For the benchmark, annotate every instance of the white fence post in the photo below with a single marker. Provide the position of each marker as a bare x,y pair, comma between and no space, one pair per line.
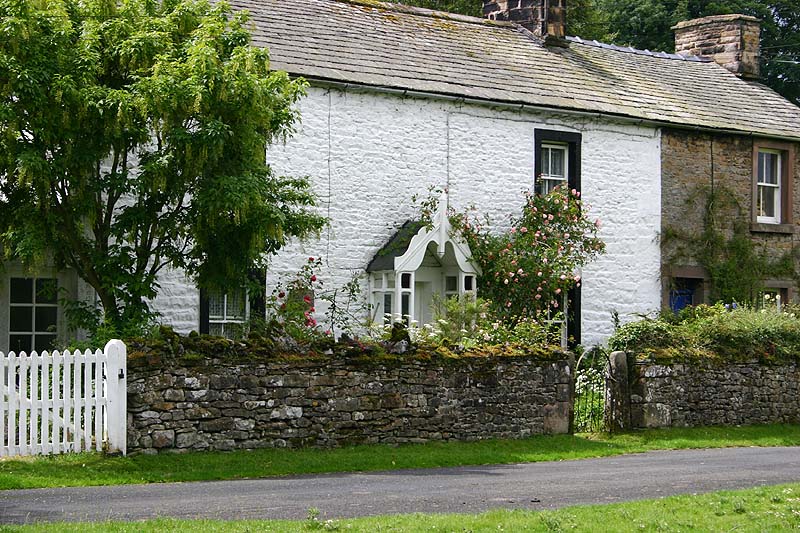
63,402
117,373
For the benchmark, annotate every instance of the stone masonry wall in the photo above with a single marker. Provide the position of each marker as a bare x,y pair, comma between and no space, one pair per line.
691,161
730,40
702,394
327,403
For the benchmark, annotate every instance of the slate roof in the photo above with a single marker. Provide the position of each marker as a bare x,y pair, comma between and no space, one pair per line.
394,247
385,45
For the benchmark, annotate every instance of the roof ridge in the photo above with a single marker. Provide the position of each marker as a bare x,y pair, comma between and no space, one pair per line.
425,12
632,50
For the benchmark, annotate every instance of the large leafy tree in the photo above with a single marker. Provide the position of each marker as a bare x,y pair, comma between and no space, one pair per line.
132,139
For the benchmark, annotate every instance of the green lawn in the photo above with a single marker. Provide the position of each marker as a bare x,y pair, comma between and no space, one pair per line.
96,469
762,509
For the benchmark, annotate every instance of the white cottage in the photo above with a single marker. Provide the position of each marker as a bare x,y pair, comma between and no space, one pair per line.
404,99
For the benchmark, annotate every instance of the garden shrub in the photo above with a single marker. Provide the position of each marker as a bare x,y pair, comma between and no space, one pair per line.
726,332
528,269
646,333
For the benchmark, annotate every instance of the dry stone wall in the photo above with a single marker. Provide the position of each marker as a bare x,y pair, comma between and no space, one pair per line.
704,394
326,403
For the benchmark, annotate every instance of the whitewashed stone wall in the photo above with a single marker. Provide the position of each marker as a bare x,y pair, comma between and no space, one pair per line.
178,301
367,153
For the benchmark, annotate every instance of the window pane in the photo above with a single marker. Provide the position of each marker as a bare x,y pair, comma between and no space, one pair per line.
451,284
235,308
545,160
21,290
547,185
404,305
44,342
20,343
405,282
768,168
387,303
20,319
215,329
377,281
46,291
390,281
557,162
216,304
766,201
46,318
469,283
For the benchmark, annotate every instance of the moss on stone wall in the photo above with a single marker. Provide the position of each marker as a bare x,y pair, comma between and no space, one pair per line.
169,349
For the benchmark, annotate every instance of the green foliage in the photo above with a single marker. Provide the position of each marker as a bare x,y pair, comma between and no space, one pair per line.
472,8
584,17
725,332
736,264
132,138
647,333
290,308
466,326
528,269
468,323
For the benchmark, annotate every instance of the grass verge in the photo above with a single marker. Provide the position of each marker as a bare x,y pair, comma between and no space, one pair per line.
96,469
762,509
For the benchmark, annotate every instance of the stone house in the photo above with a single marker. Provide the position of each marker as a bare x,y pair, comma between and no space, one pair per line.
402,99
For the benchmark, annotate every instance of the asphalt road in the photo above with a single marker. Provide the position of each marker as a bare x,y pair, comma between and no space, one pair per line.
443,490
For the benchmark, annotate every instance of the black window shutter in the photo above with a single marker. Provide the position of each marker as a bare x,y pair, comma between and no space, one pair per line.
573,142
204,327
257,294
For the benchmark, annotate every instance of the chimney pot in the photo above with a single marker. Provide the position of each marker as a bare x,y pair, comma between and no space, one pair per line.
730,40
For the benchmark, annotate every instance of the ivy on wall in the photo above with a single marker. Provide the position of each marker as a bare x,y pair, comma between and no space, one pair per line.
737,265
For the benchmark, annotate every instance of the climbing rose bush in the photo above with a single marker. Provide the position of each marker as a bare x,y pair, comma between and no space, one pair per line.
528,269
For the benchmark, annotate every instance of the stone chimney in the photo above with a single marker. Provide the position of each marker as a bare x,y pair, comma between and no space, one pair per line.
730,40
544,18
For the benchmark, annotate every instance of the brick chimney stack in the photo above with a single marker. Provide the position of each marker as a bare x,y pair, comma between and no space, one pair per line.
730,40
544,18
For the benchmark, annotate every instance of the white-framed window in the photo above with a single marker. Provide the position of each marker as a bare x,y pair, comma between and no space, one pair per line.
554,167
451,287
383,293
32,314
227,312
768,186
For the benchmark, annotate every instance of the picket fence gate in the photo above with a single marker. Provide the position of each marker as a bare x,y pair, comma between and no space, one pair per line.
63,402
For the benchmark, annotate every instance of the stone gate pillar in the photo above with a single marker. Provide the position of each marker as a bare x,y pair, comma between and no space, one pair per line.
618,393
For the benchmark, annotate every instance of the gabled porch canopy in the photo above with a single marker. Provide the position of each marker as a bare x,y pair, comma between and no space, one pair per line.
418,262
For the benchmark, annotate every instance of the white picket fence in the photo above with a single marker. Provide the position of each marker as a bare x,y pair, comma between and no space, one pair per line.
63,402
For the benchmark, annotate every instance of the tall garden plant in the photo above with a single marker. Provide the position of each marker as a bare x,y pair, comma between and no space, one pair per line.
528,269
